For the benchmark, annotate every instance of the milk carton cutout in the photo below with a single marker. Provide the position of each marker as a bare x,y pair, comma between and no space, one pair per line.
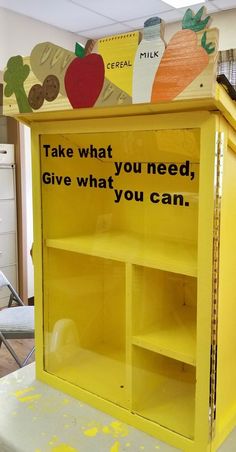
147,60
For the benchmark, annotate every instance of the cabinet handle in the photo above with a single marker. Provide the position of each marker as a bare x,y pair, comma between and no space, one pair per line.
3,151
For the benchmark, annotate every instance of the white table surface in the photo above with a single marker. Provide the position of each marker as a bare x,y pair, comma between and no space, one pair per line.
37,418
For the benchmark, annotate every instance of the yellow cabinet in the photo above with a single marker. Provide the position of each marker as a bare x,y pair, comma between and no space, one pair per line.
135,245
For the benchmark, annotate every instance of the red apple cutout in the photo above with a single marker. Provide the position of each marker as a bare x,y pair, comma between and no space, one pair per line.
84,80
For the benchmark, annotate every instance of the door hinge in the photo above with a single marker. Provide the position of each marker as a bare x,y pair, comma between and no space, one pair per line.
215,277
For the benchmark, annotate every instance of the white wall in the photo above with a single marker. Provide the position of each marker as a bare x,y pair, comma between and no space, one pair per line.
26,170
224,20
18,36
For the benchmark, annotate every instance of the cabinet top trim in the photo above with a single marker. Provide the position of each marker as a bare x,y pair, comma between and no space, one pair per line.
220,103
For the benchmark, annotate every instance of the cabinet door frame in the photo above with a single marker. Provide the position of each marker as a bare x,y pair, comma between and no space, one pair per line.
208,124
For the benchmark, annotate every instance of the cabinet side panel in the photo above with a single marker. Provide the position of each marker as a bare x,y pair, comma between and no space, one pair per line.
37,251
226,373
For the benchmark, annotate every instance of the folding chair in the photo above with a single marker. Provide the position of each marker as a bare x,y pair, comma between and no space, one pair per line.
16,322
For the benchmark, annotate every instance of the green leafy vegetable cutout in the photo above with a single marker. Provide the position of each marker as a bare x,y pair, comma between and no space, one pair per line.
15,76
209,48
79,50
195,22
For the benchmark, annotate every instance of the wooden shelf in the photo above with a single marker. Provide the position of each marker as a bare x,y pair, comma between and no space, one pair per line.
172,256
174,337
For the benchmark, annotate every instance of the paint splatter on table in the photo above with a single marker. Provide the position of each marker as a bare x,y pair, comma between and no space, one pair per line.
46,420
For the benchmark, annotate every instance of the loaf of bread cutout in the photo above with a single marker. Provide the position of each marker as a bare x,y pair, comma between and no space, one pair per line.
49,59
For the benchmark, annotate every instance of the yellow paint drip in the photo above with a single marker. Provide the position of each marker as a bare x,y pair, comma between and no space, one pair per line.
64,448
118,429
91,432
27,398
30,398
23,391
106,430
115,447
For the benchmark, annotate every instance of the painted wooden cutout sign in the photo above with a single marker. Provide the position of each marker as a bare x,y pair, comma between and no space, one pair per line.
123,69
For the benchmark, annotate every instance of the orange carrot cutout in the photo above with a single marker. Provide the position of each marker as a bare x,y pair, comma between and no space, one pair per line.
183,59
